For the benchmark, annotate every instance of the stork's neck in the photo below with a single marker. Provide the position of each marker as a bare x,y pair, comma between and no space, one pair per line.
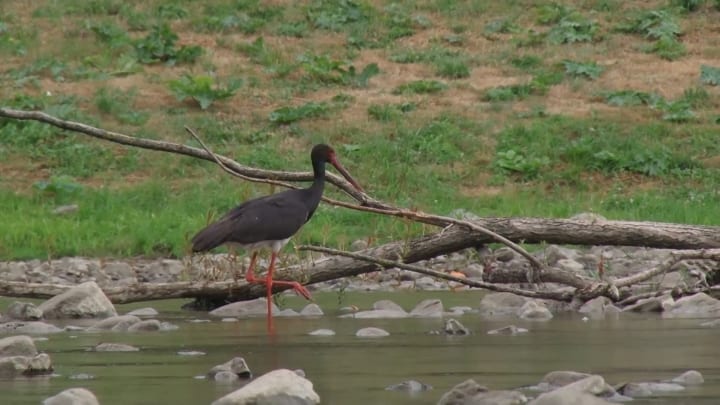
316,189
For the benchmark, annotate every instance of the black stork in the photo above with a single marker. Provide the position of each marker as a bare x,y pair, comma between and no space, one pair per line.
270,222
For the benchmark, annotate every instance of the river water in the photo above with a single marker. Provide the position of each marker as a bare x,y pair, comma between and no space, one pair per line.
347,370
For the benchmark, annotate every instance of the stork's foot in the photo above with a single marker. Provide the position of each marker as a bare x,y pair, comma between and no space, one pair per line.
299,288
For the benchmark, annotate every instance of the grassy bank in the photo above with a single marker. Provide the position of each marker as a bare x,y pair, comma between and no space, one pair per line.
498,108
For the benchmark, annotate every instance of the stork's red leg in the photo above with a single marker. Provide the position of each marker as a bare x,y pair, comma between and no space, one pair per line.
250,273
302,291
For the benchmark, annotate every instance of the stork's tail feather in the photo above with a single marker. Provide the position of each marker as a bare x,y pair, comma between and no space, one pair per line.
211,237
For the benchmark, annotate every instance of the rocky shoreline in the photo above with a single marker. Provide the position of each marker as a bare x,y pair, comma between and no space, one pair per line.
85,308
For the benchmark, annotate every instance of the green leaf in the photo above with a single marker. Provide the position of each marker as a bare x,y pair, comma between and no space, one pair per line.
710,75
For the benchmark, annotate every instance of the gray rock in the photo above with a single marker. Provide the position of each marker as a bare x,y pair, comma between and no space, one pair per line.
460,310
510,330
555,253
598,307
191,353
23,311
430,308
581,392
498,398
276,387
147,311
312,310
287,312
115,347
116,323
237,366
17,346
14,366
358,245
711,324
372,332
229,320
411,386
501,304
66,209
148,325
387,305
699,305
571,266
30,328
562,378
462,393
225,377
645,389
454,327
167,326
652,304
635,390
474,270
690,377
504,254
322,332
86,300
73,396
377,314
531,310
81,376
162,271
243,309
14,271
428,284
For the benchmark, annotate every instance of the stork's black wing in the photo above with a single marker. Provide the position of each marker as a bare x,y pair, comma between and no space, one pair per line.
274,217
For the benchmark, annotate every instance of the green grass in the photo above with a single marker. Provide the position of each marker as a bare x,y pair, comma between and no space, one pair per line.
499,108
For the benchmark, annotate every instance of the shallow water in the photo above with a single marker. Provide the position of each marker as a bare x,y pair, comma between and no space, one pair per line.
350,370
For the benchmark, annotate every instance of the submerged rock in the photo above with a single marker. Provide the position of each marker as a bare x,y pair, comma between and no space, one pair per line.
598,307
501,397
322,332
387,305
501,304
85,300
116,323
147,311
510,330
312,310
236,365
580,392
462,393
377,314
690,377
531,310
454,327
243,309
73,396
699,305
23,311
17,346
652,304
148,325
30,328
115,347
412,386
372,332
276,387
430,308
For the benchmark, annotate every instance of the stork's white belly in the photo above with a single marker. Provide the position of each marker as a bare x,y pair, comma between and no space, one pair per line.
274,245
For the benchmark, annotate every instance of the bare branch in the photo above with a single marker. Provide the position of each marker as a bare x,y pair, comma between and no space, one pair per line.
383,263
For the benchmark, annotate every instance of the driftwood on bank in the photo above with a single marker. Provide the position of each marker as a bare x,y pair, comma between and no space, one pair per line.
457,235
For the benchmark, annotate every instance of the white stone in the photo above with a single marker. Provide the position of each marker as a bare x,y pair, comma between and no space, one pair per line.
276,383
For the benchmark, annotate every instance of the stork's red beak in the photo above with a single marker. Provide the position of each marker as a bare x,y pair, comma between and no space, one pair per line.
345,173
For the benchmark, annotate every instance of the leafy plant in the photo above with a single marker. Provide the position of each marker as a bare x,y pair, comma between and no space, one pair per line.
513,162
420,87
508,93
336,15
325,70
552,13
677,111
667,48
287,115
203,89
689,5
589,70
573,28
159,46
58,187
110,34
171,11
452,68
526,62
623,98
710,75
